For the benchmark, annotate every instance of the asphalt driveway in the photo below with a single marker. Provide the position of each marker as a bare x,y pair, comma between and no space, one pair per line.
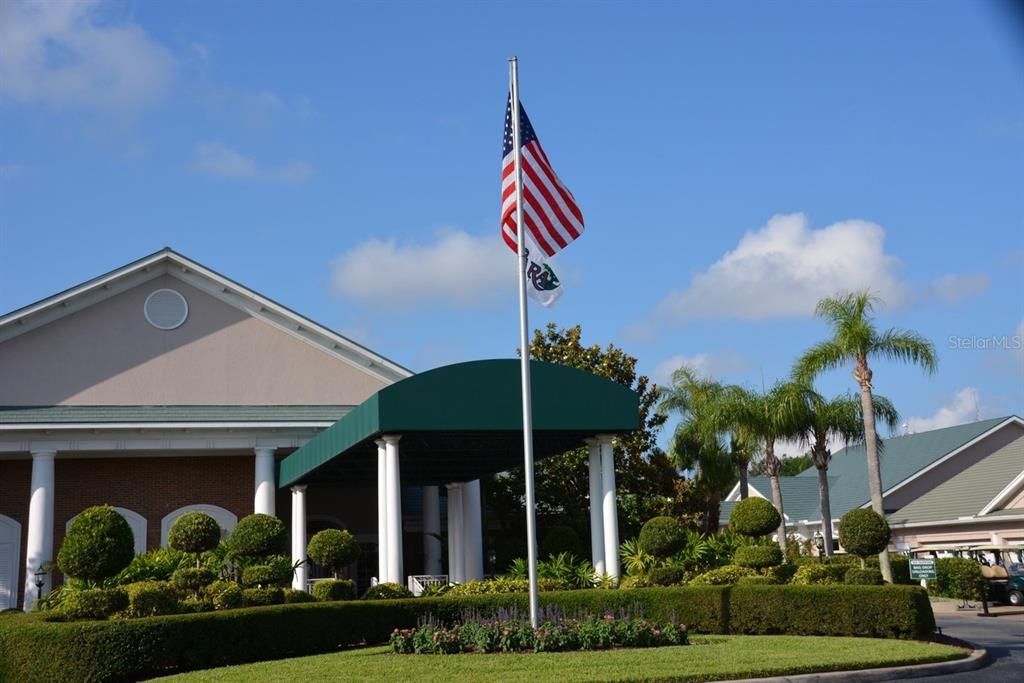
1002,636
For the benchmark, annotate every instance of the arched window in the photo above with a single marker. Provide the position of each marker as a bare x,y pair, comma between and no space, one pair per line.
137,522
10,559
225,518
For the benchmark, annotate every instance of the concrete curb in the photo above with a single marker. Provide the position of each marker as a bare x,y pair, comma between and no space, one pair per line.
976,660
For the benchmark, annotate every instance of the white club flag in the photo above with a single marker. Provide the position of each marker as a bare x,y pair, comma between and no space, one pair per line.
542,284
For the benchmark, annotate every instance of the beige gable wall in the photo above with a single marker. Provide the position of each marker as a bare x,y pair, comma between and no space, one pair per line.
108,354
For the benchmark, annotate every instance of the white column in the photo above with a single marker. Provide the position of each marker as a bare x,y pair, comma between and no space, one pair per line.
299,537
431,530
39,545
611,520
382,512
394,498
472,523
455,536
266,493
596,508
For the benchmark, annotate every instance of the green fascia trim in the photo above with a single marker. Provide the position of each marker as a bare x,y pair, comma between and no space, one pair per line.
478,396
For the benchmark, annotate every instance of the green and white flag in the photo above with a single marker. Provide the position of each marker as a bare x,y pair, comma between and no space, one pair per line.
542,284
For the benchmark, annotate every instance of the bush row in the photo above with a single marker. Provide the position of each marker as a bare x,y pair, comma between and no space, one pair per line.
131,649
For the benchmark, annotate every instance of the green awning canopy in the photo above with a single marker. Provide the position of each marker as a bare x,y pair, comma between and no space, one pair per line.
464,421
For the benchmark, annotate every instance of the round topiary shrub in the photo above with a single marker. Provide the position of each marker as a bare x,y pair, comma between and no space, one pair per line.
754,517
668,576
863,577
562,539
150,598
293,596
260,576
258,597
758,556
193,578
662,536
334,589
864,532
387,591
259,535
224,595
722,576
98,545
333,549
94,603
194,532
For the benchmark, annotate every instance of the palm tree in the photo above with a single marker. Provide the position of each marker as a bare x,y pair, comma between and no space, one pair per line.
824,421
856,340
764,418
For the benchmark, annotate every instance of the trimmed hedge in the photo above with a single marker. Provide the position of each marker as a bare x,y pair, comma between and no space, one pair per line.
863,577
754,517
869,611
334,589
132,649
758,556
957,577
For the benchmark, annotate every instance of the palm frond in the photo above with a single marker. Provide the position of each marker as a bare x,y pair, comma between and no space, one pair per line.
906,346
822,357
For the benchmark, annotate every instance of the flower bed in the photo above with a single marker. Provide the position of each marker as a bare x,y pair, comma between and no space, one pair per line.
508,631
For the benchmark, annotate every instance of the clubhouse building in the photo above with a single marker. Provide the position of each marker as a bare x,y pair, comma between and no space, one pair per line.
164,387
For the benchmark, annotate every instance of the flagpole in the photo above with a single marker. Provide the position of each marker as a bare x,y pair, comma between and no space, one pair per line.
524,345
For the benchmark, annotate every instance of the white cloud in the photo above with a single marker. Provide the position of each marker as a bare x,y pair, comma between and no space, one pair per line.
713,364
455,269
952,288
65,54
963,407
784,268
219,160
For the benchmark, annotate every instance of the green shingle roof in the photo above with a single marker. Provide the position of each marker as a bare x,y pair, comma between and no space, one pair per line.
69,415
799,496
969,491
902,457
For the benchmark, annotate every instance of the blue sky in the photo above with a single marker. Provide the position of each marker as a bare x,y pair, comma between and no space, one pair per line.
734,162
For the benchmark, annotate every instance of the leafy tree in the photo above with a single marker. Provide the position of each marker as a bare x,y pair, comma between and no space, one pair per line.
98,545
821,421
643,474
789,466
856,340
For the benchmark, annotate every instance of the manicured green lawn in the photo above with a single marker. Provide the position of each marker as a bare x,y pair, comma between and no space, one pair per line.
709,658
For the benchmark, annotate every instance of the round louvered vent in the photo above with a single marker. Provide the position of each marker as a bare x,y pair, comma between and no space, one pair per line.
166,309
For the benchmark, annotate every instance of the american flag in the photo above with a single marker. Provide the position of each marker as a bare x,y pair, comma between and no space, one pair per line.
550,212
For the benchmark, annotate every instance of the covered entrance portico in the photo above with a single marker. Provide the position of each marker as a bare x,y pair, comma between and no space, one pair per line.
449,427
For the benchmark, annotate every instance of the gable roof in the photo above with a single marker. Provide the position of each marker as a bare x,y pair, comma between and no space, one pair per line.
799,496
967,493
169,262
902,457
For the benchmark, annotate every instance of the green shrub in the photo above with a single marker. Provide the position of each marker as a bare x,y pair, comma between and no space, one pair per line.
94,603
387,591
506,585
261,576
812,574
783,573
224,595
866,611
956,577
259,535
863,577
193,578
98,545
150,598
721,576
154,565
668,576
36,651
562,539
864,532
754,517
293,596
333,549
334,589
193,604
757,581
194,532
662,536
758,556
257,597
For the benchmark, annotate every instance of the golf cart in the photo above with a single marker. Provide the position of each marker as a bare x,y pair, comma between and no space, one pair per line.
1006,577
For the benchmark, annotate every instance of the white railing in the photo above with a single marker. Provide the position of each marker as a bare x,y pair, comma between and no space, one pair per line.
416,584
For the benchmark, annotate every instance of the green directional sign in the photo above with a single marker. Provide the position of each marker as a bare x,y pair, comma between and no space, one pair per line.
922,569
